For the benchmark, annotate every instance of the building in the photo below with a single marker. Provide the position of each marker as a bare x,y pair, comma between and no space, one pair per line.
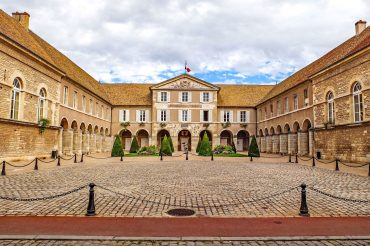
320,110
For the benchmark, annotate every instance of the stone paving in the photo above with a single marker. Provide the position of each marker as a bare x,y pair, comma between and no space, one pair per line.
226,187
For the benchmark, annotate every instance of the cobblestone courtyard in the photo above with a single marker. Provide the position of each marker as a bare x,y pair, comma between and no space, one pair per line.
226,187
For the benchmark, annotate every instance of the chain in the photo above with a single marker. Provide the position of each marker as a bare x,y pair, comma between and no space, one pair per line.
337,197
12,165
272,157
46,161
66,159
348,165
42,198
99,158
324,162
304,159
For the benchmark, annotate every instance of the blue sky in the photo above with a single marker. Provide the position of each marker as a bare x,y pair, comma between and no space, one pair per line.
224,41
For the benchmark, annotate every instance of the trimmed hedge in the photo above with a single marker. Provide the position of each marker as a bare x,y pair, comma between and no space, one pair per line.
205,148
171,144
134,145
166,147
253,148
117,149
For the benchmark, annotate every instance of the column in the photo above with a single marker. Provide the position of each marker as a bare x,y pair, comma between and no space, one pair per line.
77,142
310,143
67,142
275,143
263,144
302,143
283,143
60,142
85,143
292,143
194,143
268,144
92,143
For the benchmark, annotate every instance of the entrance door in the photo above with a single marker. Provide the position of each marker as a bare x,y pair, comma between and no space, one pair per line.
127,144
144,142
240,143
184,141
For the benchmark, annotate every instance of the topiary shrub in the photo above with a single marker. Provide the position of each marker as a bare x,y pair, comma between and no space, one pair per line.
171,144
117,149
198,145
233,146
205,148
253,148
165,147
134,145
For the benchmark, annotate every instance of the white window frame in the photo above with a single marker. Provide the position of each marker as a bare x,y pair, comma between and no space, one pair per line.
15,99
209,115
163,115
90,106
295,102
184,115
305,98
358,100
206,99
278,107
241,120
65,95
162,93
142,116
84,103
41,105
286,106
96,109
226,116
184,96
330,99
74,102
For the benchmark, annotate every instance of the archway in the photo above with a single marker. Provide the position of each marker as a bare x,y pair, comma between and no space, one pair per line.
286,128
242,141
226,138
89,129
184,138
126,137
64,124
143,138
304,139
161,135
209,134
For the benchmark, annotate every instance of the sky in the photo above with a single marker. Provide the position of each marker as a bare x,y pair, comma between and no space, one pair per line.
223,41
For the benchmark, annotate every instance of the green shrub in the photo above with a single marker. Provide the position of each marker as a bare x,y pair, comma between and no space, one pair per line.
223,149
171,144
165,147
134,145
233,146
150,150
253,148
205,148
117,149
198,145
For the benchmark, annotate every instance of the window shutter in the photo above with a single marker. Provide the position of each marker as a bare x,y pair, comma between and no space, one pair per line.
127,115
189,96
247,116
180,96
168,96
147,116
137,115
180,115
231,116
189,115
201,97
120,115
158,115
158,96
222,116
238,116
210,96
201,116
210,116
168,116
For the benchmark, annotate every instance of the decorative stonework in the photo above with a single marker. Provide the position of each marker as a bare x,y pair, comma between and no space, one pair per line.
184,84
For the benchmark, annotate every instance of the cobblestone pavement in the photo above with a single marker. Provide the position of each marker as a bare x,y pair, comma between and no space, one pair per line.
188,243
148,187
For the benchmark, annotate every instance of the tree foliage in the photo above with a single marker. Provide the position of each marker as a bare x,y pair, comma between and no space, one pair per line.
205,148
165,147
134,145
117,149
253,148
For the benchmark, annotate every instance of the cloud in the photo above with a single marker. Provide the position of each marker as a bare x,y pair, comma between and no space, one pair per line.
148,41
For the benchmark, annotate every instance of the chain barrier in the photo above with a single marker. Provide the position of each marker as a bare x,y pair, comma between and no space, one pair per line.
324,162
67,159
47,161
349,165
272,157
304,159
98,158
42,198
338,197
25,165
193,206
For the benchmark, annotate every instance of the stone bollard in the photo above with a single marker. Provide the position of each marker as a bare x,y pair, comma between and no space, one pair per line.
303,211
251,159
212,157
75,161
369,170
161,154
336,165
36,165
91,205
290,158
296,158
121,157
82,158
58,164
187,155
313,161
3,170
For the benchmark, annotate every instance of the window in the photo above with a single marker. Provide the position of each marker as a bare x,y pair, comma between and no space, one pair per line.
185,96
265,113
330,100
205,97
96,109
226,117
163,116
295,102
15,99
142,117
84,103
65,95
90,106
164,96
184,115
278,107
102,111
124,116
107,113
243,116
272,109
358,104
75,99
40,112
260,116
205,115
305,96
286,105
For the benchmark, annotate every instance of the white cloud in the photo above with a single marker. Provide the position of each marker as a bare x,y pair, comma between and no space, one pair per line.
137,41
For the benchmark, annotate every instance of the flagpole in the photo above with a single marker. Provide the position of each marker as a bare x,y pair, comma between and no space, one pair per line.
185,67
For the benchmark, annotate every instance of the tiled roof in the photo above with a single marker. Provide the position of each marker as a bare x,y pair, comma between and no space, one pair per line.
349,47
11,29
241,95
128,94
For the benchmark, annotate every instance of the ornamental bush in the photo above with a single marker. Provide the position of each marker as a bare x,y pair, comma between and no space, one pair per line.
165,146
171,144
134,145
233,146
205,147
117,149
253,148
198,145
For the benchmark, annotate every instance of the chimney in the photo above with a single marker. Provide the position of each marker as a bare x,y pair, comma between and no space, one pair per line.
360,26
22,18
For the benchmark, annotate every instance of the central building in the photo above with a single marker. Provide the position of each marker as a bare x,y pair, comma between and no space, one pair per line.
185,108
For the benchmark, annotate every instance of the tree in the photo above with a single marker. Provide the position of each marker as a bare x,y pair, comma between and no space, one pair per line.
198,145
134,145
253,148
233,146
117,149
171,144
165,146
205,148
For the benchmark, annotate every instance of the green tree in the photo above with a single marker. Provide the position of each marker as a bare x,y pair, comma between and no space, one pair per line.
205,148
198,145
253,148
233,145
165,146
117,149
134,145
171,144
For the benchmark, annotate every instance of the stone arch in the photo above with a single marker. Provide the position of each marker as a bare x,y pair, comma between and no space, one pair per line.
226,137
296,127
142,138
83,127
242,143
278,129
90,129
209,134
106,132
74,125
160,136
126,137
272,131
96,130
286,128
306,125
266,132
101,131
64,123
260,133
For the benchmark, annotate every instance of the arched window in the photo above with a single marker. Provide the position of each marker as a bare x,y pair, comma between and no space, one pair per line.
41,109
14,109
358,104
330,99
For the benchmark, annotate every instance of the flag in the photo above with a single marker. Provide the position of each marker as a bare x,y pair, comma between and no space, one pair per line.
186,68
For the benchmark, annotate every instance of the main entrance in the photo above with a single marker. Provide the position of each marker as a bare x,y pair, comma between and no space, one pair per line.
184,140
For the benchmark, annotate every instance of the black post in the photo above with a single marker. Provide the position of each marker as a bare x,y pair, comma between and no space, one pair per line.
75,158
36,165
369,170
290,158
303,211
161,154
82,158
336,165
121,157
313,161
3,170
296,158
251,159
187,155
91,205
212,160
58,164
